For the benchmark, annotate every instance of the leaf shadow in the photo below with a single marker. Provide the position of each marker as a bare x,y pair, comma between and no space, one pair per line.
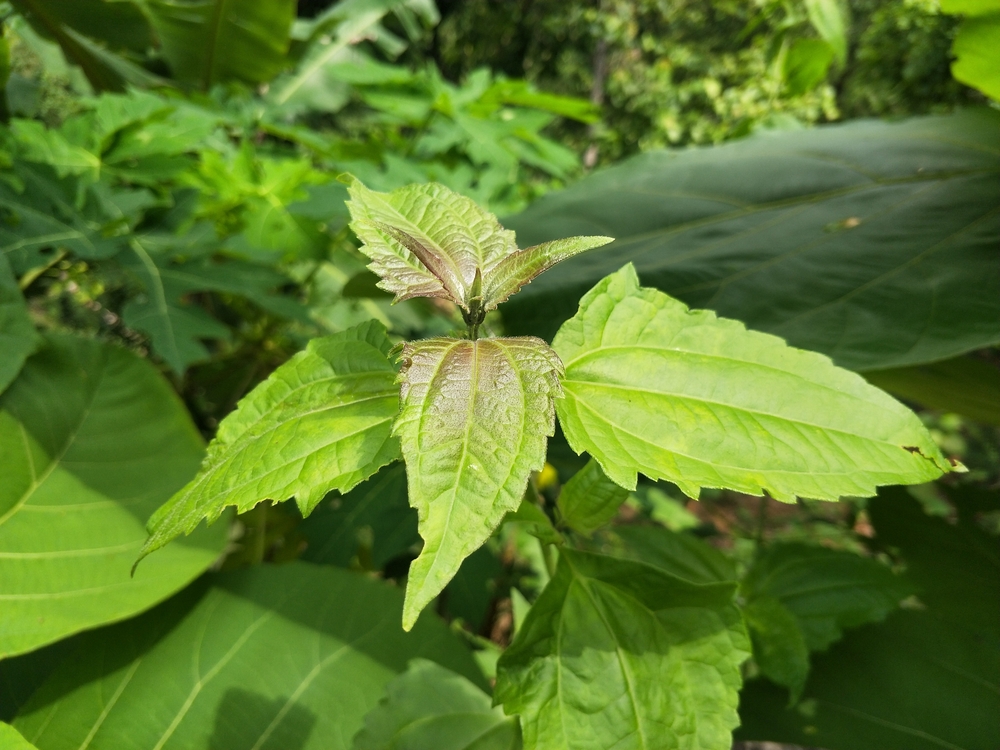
278,723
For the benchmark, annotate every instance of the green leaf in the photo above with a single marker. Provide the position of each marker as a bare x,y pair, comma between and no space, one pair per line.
826,590
430,708
320,422
206,42
967,386
11,739
924,679
682,395
779,646
473,426
373,519
278,657
17,333
831,21
975,50
620,654
806,65
92,439
589,499
682,555
872,242
428,241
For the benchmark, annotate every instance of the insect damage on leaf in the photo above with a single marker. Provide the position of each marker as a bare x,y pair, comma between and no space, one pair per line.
428,241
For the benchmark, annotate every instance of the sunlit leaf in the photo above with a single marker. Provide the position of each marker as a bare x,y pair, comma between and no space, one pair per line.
619,654
589,499
320,422
683,395
11,739
474,421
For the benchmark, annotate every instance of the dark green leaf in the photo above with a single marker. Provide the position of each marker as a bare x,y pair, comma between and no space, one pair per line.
17,333
682,395
92,439
872,242
619,654
473,425
287,657
320,422
431,708
779,646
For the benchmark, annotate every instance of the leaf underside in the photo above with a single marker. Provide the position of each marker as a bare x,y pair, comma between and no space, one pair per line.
428,241
473,426
621,654
320,422
683,395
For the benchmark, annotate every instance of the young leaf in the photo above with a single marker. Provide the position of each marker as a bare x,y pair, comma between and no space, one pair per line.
320,422
619,654
277,657
682,395
589,499
92,440
427,241
825,590
431,708
474,421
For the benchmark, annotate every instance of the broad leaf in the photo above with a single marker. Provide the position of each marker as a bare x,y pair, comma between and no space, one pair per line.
373,521
975,44
965,385
431,708
276,657
427,241
207,42
700,401
473,425
924,679
872,242
11,739
620,654
826,590
589,499
17,333
320,422
92,440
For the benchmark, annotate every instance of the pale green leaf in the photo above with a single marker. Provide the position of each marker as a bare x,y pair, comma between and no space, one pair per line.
589,499
428,241
320,422
831,21
11,739
92,440
284,657
825,590
698,400
214,41
620,654
431,708
873,242
975,50
806,65
17,333
779,646
473,425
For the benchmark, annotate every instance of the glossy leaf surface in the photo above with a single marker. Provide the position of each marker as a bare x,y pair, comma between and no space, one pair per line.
620,654
320,422
872,242
682,395
428,241
431,708
275,657
92,440
473,425
589,499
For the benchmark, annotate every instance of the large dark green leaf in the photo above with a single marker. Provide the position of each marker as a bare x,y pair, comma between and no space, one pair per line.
92,440
924,679
620,654
872,242
17,333
288,657
214,41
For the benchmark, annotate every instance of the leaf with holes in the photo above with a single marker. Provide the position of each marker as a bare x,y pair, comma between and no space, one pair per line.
700,401
473,426
320,422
